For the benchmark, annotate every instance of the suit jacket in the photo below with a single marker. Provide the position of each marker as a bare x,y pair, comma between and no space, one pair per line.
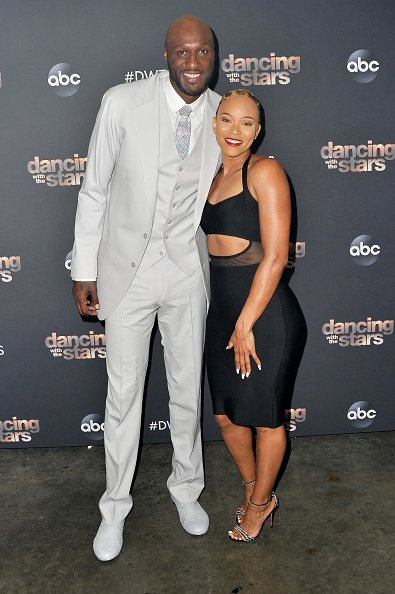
116,204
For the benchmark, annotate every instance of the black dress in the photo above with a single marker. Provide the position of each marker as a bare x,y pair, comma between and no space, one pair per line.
280,331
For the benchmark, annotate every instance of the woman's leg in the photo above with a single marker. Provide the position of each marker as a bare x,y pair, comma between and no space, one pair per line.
270,449
239,442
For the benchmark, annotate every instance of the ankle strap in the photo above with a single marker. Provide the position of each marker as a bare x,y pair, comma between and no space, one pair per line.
248,482
259,504
271,496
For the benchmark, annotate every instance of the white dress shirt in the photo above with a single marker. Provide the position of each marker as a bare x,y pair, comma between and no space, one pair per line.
175,102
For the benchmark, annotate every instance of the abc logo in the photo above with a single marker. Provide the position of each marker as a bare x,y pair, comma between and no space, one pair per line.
63,81
67,262
364,251
361,67
93,427
360,414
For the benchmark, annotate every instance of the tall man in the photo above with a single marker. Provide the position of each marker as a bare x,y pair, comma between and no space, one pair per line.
151,160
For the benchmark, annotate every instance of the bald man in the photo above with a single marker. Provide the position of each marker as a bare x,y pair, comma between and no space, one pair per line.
139,253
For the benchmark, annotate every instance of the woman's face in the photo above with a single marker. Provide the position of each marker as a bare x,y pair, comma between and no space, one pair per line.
236,125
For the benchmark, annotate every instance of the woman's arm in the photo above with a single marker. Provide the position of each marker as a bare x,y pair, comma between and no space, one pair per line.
269,185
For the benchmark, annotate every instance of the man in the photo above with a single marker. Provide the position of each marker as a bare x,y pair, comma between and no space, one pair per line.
151,160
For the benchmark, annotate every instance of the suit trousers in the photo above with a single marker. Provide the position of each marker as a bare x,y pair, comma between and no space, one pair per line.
179,301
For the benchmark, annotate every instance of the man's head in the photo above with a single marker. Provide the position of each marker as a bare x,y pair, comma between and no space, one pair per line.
189,52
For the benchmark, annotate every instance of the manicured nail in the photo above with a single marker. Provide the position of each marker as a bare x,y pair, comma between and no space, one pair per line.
248,373
260,367
227,348
243,375
237,370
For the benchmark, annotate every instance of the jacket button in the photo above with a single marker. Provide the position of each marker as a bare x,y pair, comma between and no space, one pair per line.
145,236
180,169
133,264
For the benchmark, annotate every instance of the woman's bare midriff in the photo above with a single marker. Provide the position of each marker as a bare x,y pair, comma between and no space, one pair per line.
225,245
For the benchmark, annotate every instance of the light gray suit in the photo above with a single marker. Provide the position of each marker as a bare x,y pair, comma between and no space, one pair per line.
137,195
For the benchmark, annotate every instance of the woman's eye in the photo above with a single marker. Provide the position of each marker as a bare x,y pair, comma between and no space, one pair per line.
226,120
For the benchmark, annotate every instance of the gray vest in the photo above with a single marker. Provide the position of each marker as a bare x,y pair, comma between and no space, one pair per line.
172,231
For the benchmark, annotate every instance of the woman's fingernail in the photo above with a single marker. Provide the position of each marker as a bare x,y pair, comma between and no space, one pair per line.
248,373
243,375
237,370
260,367
226,348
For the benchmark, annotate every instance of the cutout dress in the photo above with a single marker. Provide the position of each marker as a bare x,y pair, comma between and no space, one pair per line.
280,332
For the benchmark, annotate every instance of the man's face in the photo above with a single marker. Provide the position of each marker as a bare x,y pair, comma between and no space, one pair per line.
190,59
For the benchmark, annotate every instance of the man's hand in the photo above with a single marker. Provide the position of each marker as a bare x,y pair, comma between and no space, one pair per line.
85,296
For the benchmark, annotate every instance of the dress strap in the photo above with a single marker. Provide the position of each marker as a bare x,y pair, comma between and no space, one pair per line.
244,172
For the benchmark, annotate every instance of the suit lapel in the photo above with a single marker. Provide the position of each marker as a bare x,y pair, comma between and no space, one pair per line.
146,119
211,153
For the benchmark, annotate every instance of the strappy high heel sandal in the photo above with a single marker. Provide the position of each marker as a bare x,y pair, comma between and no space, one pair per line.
246,536
241,512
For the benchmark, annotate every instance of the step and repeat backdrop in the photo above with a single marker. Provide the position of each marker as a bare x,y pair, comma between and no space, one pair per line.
324,74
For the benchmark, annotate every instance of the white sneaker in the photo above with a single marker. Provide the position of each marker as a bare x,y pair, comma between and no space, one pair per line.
108,541
193,518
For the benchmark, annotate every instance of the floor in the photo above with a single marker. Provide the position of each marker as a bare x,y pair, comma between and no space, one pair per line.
334,530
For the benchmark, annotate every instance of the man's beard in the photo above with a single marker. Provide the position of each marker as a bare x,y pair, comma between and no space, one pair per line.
190,92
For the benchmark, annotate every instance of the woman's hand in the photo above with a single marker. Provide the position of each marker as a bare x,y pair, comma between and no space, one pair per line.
243,343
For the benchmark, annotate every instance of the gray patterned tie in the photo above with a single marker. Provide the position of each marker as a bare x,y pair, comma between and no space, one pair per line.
182,134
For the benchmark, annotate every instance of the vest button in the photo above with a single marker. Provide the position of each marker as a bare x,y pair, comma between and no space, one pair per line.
145,236
180,169
161,253
133,264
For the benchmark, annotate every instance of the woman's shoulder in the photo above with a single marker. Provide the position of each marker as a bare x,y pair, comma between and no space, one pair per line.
264,173
264,166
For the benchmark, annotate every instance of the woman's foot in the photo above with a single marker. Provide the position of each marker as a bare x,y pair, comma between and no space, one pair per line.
253,520
248,490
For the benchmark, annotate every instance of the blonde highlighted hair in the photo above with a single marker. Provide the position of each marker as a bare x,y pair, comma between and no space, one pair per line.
245,93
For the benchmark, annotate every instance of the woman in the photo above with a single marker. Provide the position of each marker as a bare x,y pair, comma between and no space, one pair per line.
255,329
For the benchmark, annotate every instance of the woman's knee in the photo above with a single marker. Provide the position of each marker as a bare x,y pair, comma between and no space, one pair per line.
223,422
262,431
